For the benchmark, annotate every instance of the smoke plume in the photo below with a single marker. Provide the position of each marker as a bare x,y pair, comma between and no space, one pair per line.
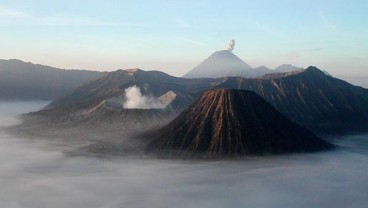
231,45
135,99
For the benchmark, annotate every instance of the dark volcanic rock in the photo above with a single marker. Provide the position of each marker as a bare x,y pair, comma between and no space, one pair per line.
233,122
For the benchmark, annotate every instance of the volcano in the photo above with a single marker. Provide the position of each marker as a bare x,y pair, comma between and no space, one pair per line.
222,63
307,97
226,122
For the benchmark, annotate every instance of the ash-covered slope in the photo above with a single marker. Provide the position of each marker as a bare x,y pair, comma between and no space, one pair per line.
26,81
154,83
233,122
220,64
128,121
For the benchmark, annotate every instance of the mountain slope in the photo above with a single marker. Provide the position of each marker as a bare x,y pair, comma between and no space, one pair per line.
26,81
233,122
220,64
154,83
312,99
307,97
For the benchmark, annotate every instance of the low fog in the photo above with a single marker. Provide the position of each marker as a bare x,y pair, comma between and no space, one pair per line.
33,174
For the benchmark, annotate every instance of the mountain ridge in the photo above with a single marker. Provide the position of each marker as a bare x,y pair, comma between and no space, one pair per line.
304,97
21,80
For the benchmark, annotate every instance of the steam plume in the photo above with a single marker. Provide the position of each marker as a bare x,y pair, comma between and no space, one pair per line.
135,99
231,45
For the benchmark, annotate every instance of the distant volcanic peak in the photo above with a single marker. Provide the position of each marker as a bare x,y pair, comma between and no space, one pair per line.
223,54
312,70
258,72
226,59
286,65
233,122
262,68
220,64
133,70
287,68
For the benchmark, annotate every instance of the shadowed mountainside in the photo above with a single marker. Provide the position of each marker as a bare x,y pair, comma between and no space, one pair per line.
311,99
307,97
26,81
232,122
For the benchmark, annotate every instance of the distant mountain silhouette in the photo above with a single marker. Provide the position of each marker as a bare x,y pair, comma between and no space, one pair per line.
232,122
279,75
307,97
286,68
258,72
264,72
26,81
220,64
226,64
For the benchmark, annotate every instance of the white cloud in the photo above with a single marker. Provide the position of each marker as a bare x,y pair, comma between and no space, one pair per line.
70,20
11,13
13,16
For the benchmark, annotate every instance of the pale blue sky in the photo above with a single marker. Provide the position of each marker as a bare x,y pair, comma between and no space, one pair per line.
174,36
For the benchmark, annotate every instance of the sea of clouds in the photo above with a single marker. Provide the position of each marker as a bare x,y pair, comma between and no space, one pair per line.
35,174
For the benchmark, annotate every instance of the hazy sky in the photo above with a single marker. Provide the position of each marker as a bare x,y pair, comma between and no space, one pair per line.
174,35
